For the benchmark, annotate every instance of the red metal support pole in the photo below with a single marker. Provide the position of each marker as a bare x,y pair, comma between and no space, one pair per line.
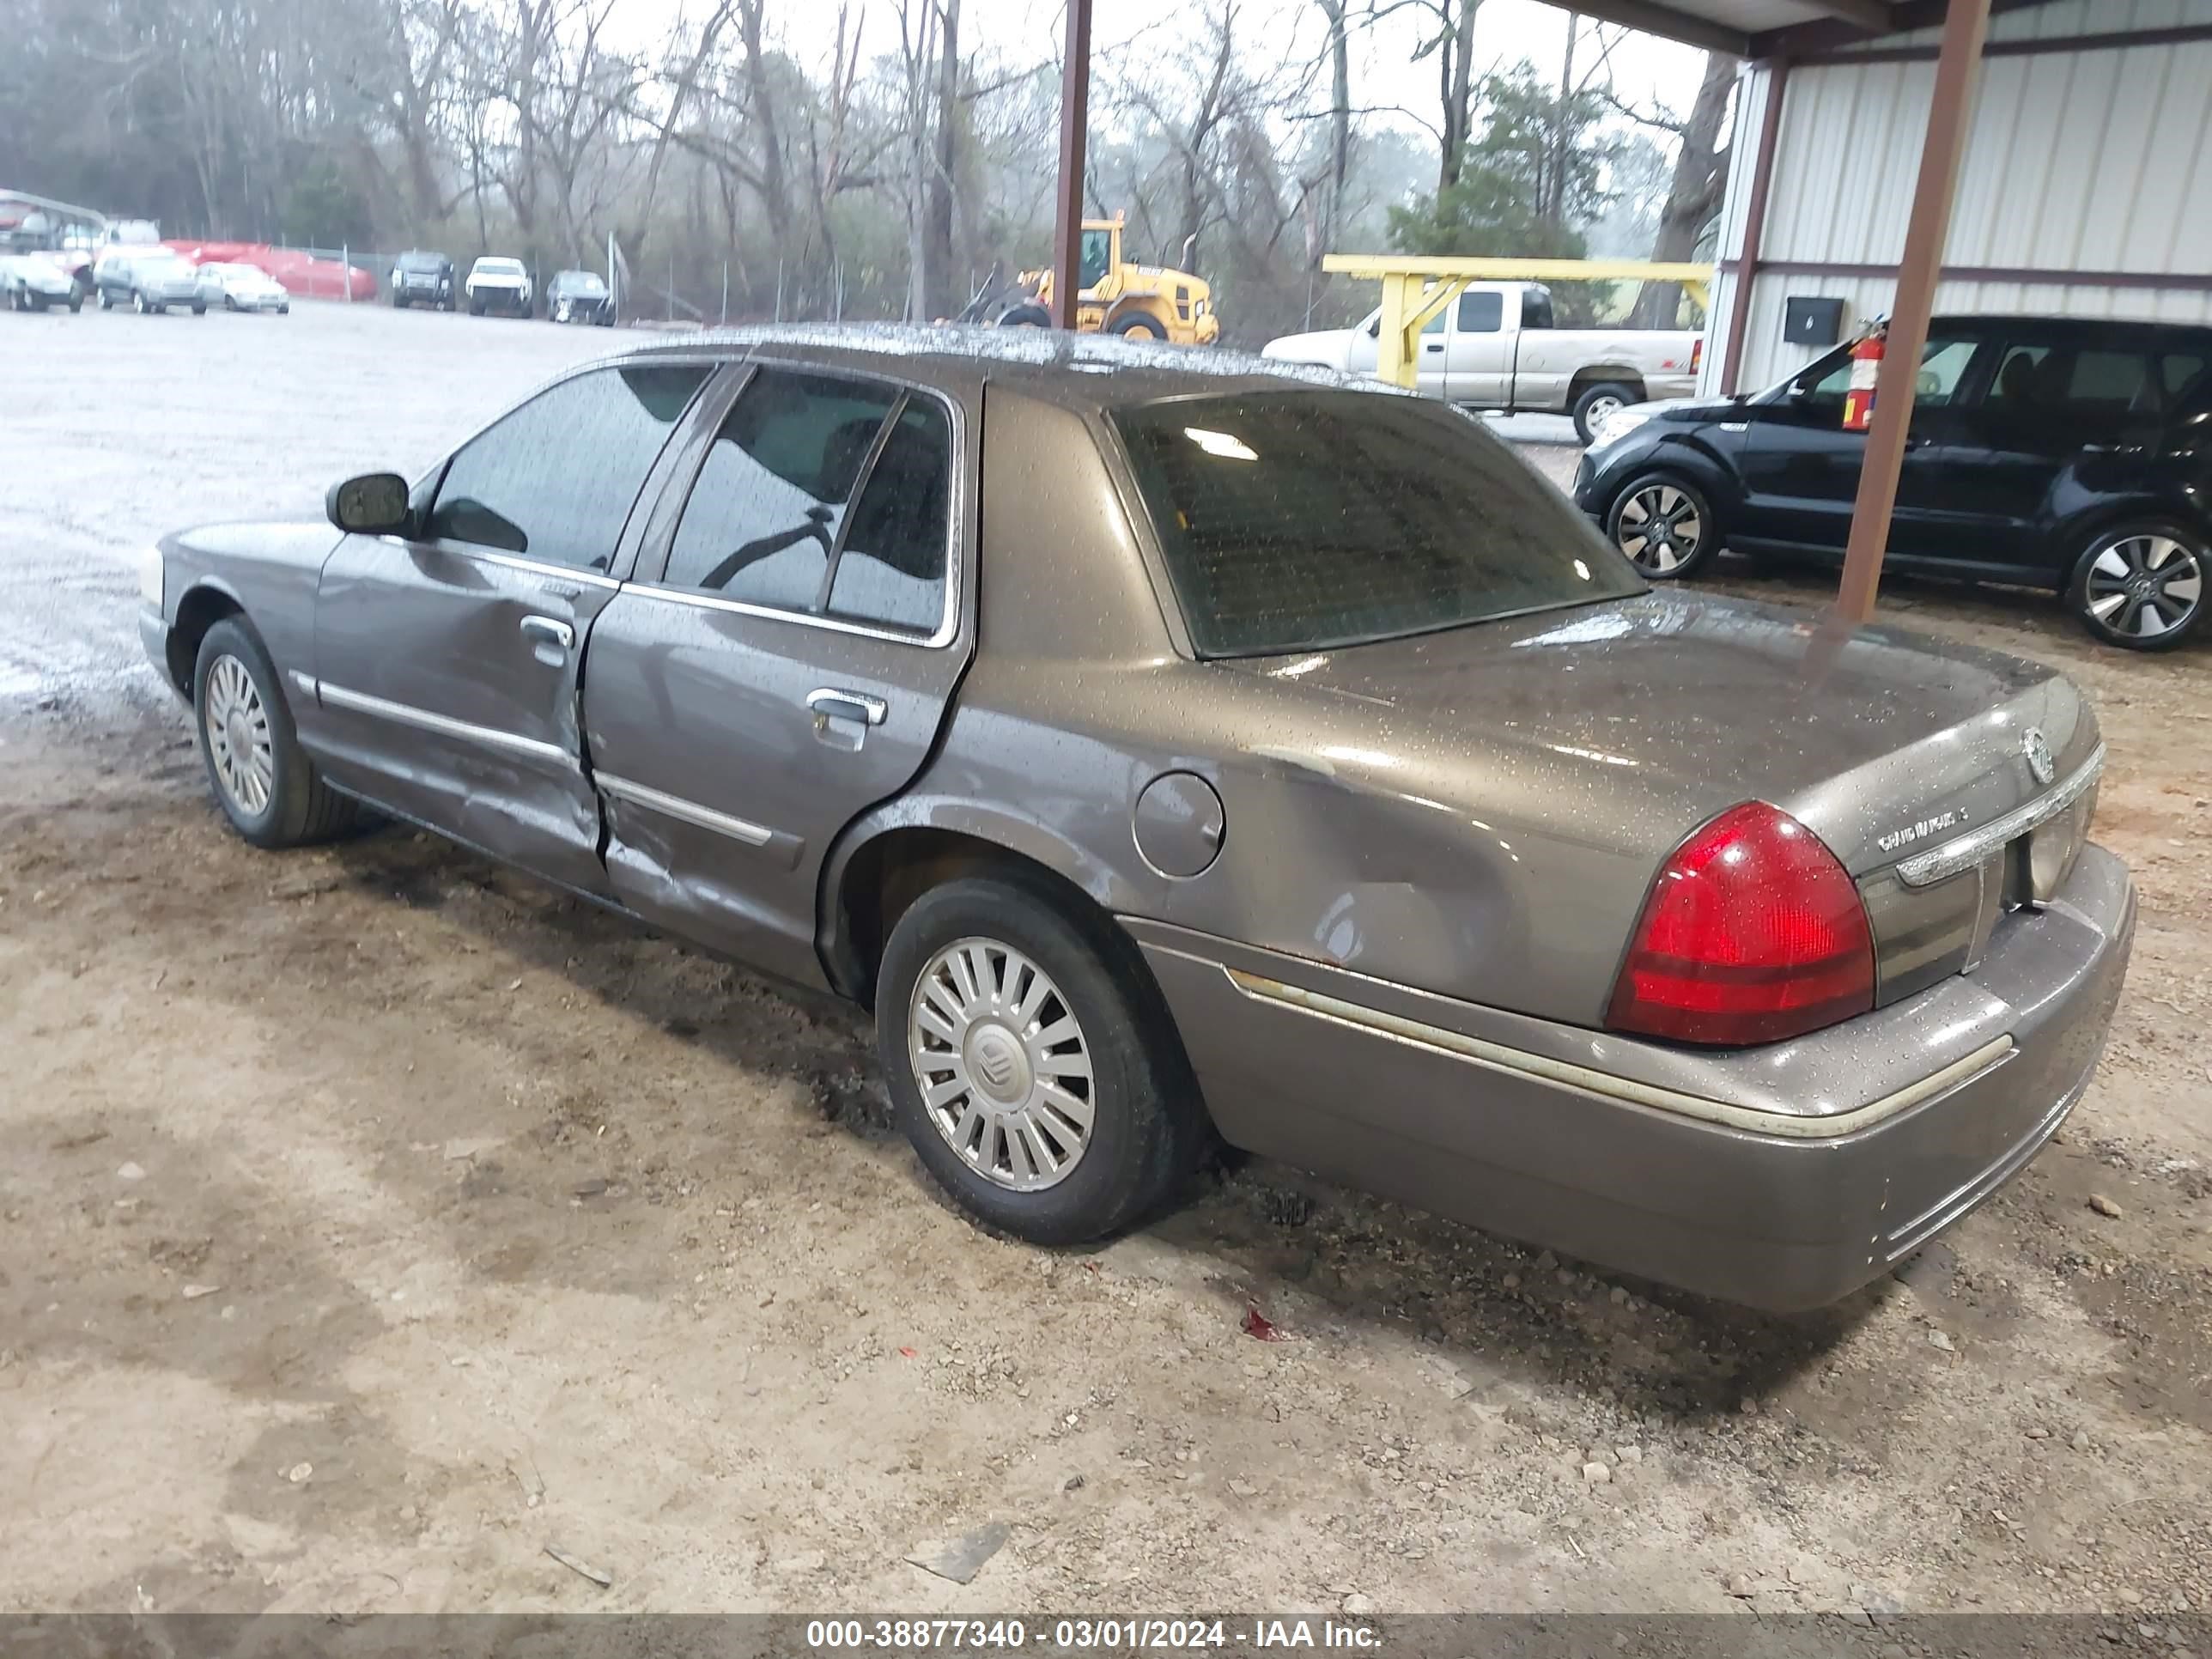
1950,111
1074,115
1754,223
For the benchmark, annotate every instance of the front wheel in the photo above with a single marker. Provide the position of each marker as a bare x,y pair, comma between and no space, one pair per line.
1664,525
138,303
262,779
1031,1061
1600,403
2143,586
1030,315
1137,325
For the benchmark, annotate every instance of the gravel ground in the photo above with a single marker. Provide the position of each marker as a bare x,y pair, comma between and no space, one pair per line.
375,1219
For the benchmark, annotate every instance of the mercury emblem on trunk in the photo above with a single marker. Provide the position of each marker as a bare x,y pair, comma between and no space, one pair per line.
2037,747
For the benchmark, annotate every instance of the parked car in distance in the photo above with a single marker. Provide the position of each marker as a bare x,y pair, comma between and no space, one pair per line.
33,282
580,296
1495,348
1162,746
423,279
147,279
2063,452
244,288
499,284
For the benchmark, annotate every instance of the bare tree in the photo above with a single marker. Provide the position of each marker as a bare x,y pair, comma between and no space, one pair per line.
1700,181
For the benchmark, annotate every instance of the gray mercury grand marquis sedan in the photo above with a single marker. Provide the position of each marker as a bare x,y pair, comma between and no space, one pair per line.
1164,743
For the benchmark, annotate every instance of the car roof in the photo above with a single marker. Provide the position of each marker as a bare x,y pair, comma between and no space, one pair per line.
2069,327
1078,371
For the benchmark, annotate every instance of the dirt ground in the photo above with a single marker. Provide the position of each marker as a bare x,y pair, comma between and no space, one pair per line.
375,1220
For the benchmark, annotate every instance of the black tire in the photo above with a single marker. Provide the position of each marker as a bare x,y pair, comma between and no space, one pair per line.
2131,574
138,303
1600,400
476,307
301,808
75,302
400,303
1680,506
106,300
1148,1126
1031,315
199,307
1136,324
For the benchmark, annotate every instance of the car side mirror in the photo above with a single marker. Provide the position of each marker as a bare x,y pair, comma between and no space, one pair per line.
1799,392
1374,329
373,504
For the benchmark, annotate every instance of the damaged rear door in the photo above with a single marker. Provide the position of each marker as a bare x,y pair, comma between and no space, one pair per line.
783,660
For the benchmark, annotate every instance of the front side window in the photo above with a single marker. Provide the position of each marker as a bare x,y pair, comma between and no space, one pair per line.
555,479
1943,365
1482,314
1094,254
823,493
1303,521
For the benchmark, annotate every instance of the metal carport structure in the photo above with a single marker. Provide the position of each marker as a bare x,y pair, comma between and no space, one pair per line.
1934,51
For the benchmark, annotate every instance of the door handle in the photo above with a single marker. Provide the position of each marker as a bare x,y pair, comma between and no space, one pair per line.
549,629
830,704
1432,346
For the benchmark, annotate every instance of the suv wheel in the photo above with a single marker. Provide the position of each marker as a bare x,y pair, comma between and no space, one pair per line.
2143,586
1031,1062
1664,525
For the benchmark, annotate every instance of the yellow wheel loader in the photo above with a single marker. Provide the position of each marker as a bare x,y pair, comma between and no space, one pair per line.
1139,302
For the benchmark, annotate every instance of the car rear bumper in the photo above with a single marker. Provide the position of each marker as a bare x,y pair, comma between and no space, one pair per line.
1780,1210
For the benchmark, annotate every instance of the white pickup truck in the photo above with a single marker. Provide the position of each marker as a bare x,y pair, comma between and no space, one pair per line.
1495,347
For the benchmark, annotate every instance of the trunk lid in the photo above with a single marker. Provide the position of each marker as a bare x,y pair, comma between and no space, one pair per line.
1672,706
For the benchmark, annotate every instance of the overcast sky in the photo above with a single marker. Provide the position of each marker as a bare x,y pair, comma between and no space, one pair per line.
1644,70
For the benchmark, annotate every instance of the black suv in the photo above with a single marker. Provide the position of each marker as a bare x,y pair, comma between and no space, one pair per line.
2053,452
419,278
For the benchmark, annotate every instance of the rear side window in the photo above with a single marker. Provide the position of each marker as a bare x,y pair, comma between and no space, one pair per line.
555,479
2182,373
2111,383
1297,521
823,494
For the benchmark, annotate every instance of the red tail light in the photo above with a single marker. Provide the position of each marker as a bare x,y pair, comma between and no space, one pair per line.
1697,353
1753,932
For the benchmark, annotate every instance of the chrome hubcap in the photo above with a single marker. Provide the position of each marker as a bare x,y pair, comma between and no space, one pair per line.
1003,1068
2145,585
238,737
1601,411
1659,527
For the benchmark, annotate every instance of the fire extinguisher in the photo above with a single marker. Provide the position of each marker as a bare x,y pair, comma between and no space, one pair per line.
1866,369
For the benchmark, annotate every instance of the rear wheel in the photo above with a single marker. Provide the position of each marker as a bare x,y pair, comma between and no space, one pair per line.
139,302
106,300
1031,1062
2143,586
1600,403
1664,524
262,779
1031,315
1137,325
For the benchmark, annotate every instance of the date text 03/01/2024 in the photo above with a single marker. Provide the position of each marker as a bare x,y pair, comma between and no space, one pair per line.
1110,1634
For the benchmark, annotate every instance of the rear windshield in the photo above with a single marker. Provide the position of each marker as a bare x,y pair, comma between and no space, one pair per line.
1298,520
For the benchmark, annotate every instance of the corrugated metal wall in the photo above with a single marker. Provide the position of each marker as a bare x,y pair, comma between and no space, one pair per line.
2078,160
